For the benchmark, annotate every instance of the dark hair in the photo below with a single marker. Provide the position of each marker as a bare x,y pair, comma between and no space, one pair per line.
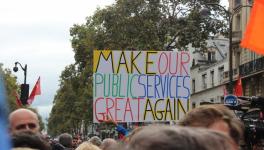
65,139
28,139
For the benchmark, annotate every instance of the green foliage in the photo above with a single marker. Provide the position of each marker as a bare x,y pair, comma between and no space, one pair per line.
72,103
12,87
126,25
143,24
41,123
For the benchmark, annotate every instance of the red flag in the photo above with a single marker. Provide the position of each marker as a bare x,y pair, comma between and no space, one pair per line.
35,91
238,88
18,101
253,38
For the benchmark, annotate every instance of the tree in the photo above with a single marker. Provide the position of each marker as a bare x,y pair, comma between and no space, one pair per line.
11,87
72,100
146,24
126,25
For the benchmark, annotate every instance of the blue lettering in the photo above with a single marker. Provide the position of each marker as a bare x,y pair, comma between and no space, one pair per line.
139,79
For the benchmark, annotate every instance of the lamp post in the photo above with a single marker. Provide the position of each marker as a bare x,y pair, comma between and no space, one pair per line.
24,87
230,16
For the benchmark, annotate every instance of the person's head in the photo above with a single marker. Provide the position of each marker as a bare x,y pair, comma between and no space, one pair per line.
23,148
235,125
178,138
65,139
28,139
132,133
95,140
216,117
87,146
23,120
75,141
108,143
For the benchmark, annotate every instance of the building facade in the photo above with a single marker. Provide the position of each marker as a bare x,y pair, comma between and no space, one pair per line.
207,72
249,65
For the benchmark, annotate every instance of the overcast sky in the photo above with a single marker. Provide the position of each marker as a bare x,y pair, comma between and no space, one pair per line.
36,33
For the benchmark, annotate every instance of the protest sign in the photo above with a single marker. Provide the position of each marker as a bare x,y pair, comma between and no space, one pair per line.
140,86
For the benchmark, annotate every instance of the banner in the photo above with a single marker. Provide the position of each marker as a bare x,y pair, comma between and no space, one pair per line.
4,135
140,86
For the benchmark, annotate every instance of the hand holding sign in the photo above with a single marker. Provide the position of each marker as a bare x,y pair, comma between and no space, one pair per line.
108,120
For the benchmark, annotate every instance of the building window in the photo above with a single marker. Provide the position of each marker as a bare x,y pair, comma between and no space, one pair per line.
253,55
212,78
222,99
238,22
252,91
193,62
193,85
193,105
237,59
262,83
204,78
211,56
237,3
220,74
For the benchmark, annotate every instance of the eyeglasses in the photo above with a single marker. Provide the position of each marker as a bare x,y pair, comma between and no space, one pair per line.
26,126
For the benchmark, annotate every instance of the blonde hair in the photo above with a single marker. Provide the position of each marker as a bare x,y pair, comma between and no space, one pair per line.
87,146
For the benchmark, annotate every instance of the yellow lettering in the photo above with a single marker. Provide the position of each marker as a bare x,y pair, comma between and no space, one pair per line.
133,62
166,110
146,110
106,54
158,113
180,107
122,55
148,62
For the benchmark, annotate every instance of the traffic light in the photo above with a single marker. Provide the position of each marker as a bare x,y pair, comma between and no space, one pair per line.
24,93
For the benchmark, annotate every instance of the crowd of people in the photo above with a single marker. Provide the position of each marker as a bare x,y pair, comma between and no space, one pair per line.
208,127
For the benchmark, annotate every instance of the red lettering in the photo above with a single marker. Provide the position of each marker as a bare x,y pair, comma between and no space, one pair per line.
128,108
164,61
176,63
183,62
116,109
95,110
109,108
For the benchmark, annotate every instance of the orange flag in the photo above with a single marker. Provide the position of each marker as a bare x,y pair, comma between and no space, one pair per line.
35,91
253,38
